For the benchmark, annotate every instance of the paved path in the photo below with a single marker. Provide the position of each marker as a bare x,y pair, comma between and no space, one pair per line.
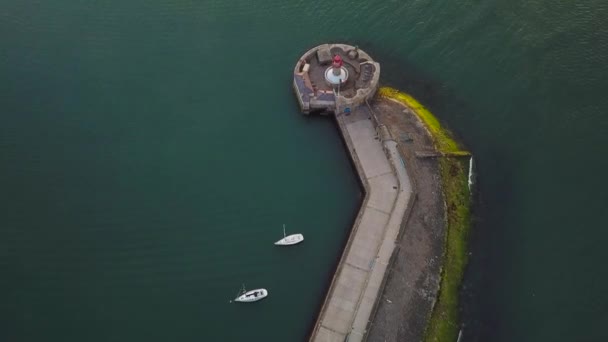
355,287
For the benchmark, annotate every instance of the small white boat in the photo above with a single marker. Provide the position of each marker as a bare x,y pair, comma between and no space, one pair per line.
245,296
289,240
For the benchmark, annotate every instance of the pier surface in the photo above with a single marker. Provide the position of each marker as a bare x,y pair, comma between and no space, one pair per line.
356,285
412,281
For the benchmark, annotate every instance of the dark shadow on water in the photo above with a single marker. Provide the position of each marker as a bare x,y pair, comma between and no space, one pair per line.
478,294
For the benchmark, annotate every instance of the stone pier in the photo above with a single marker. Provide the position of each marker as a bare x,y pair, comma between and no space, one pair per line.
356,285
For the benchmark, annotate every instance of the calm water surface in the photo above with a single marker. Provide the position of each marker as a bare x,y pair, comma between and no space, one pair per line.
151,150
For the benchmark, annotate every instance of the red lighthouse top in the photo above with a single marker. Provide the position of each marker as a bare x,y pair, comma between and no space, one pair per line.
337,62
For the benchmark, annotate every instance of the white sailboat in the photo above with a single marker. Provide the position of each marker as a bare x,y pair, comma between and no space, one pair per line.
245,296
289,240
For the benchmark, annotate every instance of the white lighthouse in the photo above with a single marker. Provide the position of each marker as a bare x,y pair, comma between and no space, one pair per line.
337,73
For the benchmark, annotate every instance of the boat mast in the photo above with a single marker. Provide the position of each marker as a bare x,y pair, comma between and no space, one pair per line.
240,292
284,230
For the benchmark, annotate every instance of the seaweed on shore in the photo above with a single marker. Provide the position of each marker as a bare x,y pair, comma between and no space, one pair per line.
444,322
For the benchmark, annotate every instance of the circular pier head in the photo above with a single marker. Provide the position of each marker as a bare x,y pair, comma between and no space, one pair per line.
334,78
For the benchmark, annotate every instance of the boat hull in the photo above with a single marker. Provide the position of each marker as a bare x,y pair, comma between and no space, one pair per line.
290,240
252,296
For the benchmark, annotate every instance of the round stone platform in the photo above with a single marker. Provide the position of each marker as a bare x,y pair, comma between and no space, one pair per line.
316,94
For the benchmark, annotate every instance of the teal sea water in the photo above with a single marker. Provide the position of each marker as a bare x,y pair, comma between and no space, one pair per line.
151,150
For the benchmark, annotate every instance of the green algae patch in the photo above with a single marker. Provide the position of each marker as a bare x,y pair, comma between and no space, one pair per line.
444,322
443,140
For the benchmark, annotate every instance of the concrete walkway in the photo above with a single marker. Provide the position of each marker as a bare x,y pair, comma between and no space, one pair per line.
355,287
